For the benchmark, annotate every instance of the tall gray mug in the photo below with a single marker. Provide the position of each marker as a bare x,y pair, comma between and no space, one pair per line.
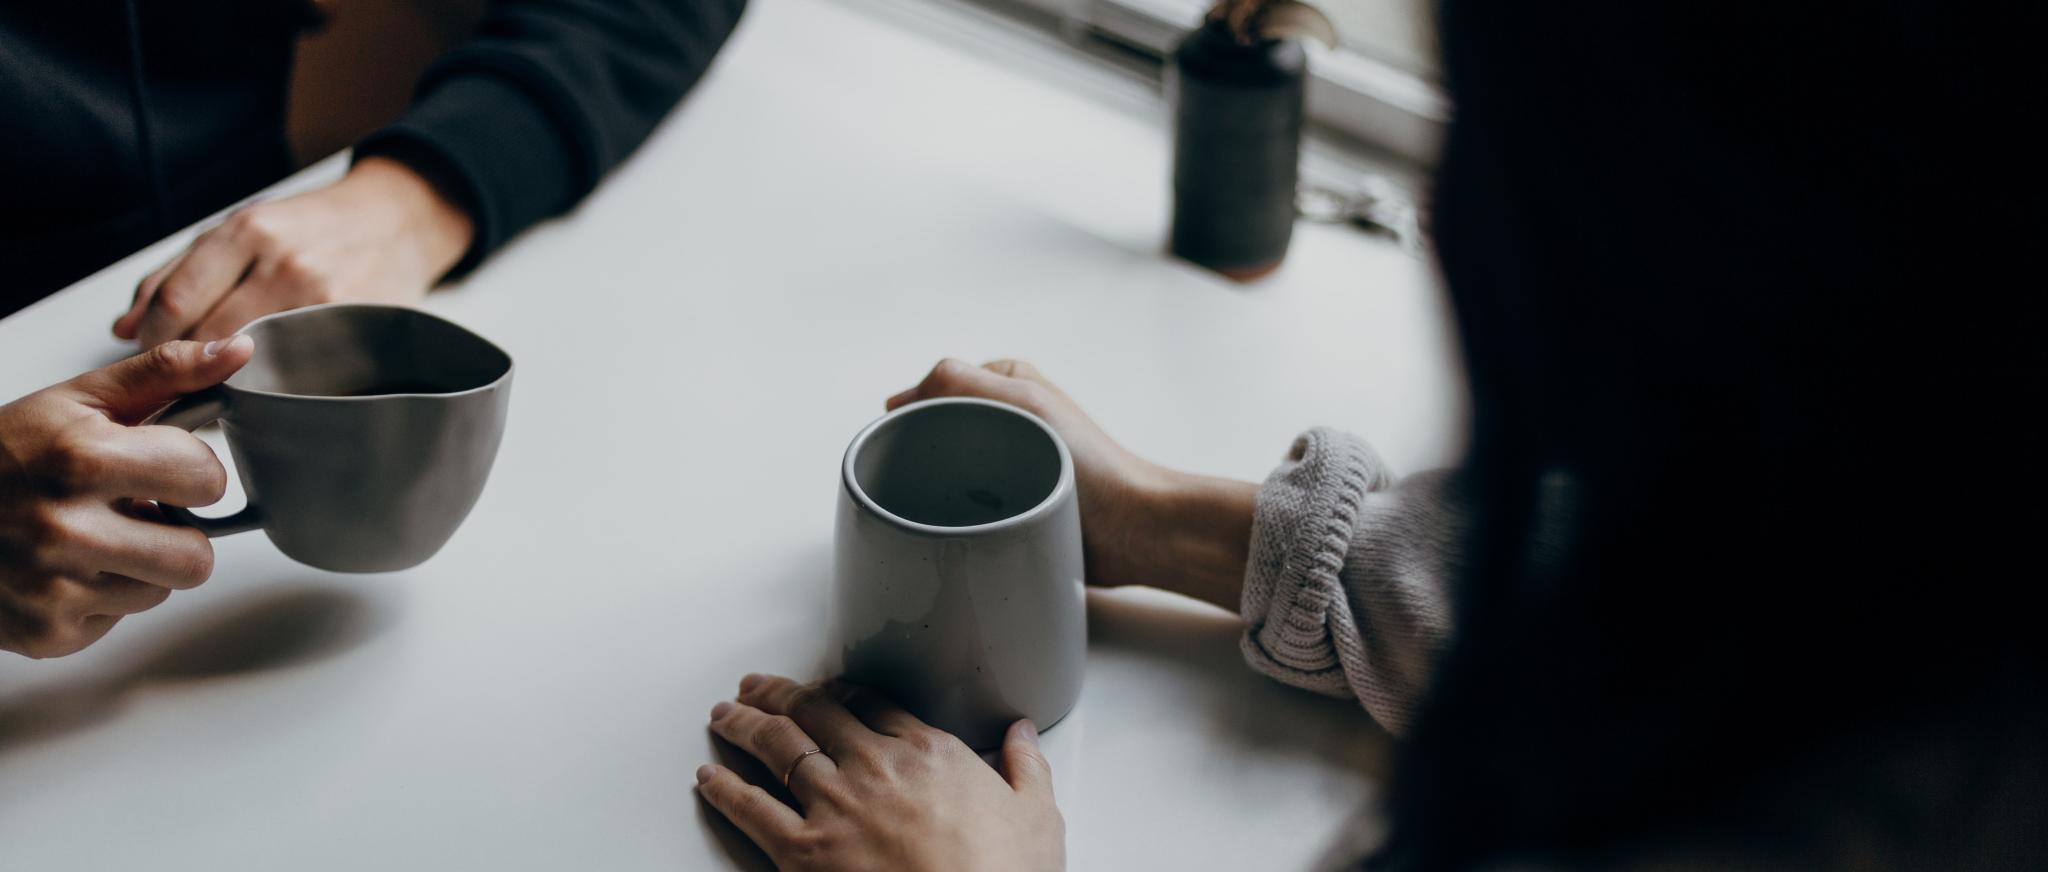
362,434
957,586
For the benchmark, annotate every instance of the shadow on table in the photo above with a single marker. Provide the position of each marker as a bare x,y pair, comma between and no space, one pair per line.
793,645
1202,644
271,630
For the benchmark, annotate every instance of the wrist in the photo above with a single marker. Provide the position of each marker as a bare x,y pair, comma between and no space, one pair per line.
1198,533
429,217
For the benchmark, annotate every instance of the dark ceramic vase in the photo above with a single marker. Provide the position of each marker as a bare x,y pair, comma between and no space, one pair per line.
1237,142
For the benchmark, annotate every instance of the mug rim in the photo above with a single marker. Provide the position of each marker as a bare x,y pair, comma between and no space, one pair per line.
510,363
1059,491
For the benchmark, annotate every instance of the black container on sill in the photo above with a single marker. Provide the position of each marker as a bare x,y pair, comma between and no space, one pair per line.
1236,145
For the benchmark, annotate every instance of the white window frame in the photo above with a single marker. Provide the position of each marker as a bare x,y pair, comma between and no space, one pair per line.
1372,101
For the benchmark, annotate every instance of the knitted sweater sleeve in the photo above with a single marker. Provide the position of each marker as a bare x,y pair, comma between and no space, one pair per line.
1347,589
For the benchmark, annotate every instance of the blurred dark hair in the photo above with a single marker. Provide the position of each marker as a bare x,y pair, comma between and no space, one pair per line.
1747,301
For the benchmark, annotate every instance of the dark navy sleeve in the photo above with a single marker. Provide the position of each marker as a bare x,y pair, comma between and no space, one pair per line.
523,119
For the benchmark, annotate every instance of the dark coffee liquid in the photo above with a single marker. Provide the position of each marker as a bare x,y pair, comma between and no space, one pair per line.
417,386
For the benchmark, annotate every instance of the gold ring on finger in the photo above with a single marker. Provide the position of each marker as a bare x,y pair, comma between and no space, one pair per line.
800,758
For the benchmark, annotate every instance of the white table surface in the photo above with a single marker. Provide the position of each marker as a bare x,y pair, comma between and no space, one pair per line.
839,205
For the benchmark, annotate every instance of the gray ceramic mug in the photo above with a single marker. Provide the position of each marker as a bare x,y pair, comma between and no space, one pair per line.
363,434
958,576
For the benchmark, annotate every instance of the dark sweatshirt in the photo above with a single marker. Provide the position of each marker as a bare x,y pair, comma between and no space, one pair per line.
122,121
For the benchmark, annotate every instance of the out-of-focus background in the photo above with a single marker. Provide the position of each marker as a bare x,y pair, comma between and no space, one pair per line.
1377,94
355,74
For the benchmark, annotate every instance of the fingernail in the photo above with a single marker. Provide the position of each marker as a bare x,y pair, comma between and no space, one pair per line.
751,680
719,710
899,399
1030,731
219,345
705,772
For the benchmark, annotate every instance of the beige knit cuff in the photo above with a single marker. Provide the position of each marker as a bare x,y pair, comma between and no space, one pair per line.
1303,522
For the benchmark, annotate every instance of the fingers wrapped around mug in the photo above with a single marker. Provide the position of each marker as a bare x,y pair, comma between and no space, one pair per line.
83,538
1015,382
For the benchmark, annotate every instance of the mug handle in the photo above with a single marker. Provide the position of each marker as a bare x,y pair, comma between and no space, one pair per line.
192,412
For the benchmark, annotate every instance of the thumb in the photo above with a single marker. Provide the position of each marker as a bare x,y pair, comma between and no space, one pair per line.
130,390
1024,764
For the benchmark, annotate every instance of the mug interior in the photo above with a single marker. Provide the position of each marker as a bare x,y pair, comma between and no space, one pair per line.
957,464
363,351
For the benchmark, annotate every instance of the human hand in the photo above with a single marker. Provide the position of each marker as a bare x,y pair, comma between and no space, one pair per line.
1141,523
886,792
383,234
81,545
1116,487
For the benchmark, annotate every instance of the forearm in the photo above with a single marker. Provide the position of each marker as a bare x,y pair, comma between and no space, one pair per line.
1198,536
1341,574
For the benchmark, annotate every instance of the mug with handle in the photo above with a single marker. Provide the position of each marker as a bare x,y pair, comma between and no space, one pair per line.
958,578
363,434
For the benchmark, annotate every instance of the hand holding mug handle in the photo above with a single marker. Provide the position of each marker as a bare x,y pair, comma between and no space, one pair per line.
192,412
